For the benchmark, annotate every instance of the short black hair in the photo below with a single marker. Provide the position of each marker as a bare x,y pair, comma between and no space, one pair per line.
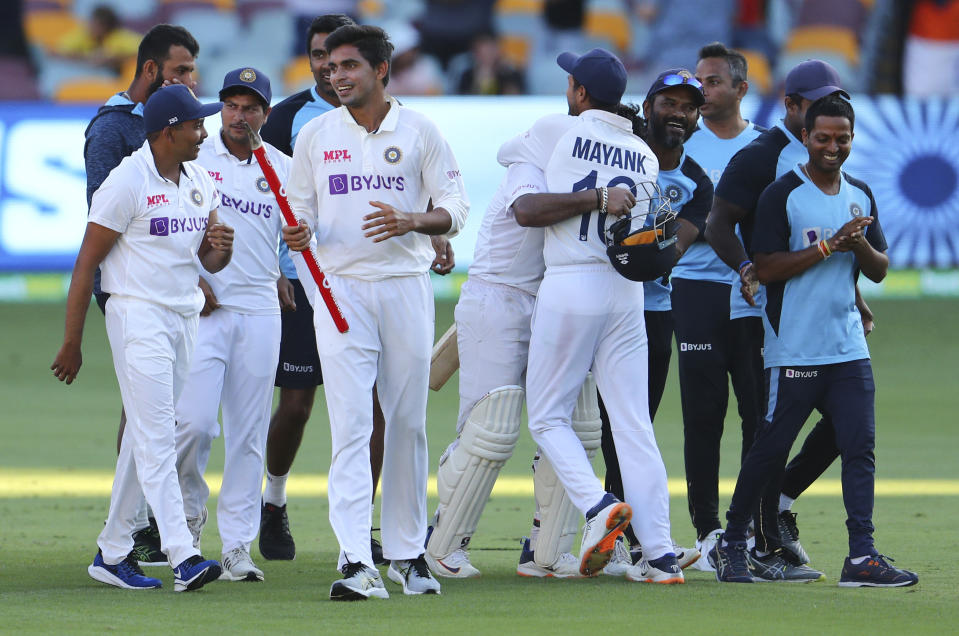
326,24
371,41
156,44
228,92
609,107
833,105
634,113
738,68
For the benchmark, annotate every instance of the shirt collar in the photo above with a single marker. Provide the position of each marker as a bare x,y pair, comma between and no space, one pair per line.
152,167
219,147
781,124
610,118
389,122
122,99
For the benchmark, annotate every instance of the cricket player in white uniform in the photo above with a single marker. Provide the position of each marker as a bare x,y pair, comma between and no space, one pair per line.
237,343
588,316
504,277
152,224
362,178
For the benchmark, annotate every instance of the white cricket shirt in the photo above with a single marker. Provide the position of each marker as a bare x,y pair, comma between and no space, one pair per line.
248,284
595,149
507,253
161,225
339,167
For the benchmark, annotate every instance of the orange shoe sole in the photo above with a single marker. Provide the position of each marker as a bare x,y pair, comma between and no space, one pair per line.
596,559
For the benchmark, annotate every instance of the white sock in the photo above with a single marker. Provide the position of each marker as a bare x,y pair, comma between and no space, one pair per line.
858,560
275,491
785,503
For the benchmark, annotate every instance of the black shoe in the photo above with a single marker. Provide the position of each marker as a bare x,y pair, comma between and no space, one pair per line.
731,563
377,549
875,572
789,534
773,567
146,546
276,542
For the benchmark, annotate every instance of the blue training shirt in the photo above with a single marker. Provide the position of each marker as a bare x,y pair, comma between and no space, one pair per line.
811,319
771,155
281,129
690,193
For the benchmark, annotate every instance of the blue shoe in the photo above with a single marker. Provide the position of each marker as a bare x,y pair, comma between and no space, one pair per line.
195,572
875,572
731,563
126,574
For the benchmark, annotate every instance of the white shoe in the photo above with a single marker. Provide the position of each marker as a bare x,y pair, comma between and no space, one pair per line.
455,566
621,560
664,570
238,566
599,535
705,547
195,524
414,575
685,557
359,583
566,566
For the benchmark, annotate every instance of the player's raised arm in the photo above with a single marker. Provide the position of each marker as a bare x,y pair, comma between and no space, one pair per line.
216,249
97,242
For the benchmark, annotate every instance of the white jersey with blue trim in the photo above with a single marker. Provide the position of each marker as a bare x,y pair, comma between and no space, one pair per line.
507,253
595,149
811,319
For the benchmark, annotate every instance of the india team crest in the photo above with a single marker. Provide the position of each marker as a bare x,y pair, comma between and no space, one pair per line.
393,155
196,196
248,75
855,210
673,193
262,185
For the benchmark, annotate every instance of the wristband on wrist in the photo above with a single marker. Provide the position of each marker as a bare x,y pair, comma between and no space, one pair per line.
745,263
824,249
605,193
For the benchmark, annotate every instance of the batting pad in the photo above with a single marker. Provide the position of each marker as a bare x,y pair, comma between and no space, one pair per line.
559,519
466,475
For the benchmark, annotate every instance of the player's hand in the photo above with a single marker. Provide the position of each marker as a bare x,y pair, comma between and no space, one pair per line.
619,201
170,82
67,363
219,235
297,238
210,303
748,284
387,222
284,291
850,236
445,261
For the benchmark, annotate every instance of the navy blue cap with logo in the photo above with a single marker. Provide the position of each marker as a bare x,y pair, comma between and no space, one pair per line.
172,105
601,72
678,77
813,79
249,78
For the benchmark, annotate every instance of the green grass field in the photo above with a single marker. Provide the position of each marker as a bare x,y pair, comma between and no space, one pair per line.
58,450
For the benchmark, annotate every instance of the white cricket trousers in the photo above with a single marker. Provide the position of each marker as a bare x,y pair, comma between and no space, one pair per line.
590,316
389,342
151,346
492,336
234,366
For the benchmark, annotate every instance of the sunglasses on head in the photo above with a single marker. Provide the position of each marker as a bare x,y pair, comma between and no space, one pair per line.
675,79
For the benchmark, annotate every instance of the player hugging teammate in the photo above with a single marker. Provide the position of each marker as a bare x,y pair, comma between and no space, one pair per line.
593,203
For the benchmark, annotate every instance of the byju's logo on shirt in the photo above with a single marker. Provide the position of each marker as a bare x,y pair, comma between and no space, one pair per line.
812,235
336,156
695,346
344,183
165,226
156,200
793,373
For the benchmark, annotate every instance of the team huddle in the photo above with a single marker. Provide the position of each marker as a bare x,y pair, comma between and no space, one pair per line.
615,228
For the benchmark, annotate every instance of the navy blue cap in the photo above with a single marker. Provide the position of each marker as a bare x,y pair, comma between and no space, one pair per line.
249,77
601,72
173,105
813,79
678,77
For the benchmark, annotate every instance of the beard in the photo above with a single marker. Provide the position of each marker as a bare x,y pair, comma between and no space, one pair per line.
666,137
155,86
